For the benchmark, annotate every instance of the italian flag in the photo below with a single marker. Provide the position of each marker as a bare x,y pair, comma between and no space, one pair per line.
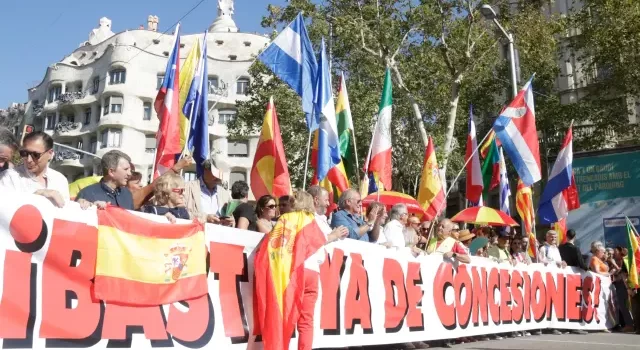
345,130
380,161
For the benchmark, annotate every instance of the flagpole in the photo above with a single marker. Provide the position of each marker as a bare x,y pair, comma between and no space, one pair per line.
306,162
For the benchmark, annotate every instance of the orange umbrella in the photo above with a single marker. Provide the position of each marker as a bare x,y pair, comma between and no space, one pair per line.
390,198
484,216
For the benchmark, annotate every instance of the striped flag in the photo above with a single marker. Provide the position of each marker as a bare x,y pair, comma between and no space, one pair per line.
280,274
431,192
505,189
491,168
524,205
144,263
380,161
561,228
290,57
346,130
196,109
270,173
167,107
516,129
187,76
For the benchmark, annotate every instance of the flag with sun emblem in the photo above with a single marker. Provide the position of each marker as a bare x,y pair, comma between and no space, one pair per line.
279,276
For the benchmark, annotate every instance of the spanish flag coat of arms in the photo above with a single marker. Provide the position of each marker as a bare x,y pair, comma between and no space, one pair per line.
144,263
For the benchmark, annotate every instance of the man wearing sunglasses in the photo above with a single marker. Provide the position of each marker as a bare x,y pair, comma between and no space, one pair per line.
8,145
34,175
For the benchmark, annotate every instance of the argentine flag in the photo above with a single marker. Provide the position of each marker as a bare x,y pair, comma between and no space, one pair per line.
290,57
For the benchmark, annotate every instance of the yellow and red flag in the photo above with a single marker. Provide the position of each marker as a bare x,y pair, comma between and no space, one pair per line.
633,255
431,192
561,228
336,175
524,204
145,263
280,276
270,174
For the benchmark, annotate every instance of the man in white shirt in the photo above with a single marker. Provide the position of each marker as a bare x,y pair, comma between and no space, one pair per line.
394,230
549,253
34,175
321,203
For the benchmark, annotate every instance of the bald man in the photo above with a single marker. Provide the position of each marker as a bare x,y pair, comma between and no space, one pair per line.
448,246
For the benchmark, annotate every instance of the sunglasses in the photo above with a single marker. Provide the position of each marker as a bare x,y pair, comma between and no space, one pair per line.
272,206
34,155
177,190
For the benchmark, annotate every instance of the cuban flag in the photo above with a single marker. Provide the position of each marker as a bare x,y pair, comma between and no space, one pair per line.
554,204
290,57
515,127
167,107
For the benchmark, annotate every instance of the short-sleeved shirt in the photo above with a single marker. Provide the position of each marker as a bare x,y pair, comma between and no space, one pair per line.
457,248
351,222
394,233
246,210
20,180
100,192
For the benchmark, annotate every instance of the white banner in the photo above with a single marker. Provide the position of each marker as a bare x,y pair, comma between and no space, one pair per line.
369,295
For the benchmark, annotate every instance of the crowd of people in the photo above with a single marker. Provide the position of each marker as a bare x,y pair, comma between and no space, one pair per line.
207,200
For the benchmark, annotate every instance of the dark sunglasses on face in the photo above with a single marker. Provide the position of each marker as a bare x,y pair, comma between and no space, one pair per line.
34,155
271,206
177,190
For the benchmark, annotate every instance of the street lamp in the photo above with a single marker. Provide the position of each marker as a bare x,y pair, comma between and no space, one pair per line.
488,13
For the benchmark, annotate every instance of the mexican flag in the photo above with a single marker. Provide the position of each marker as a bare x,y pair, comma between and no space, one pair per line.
380,161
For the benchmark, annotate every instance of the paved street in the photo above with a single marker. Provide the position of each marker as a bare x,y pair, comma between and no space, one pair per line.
592,341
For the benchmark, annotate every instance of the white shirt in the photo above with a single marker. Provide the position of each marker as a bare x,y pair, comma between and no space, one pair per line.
20,180
549,254
394,233
314,261
209,200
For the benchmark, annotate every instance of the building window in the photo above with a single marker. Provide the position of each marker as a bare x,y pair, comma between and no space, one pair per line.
117,76
87,116
112,104
159,81
242,85
238,148
71,118
111,138
237,175
150,145
49,122
147,111
54,92
94,145
213,84
96,85
226,115
79,146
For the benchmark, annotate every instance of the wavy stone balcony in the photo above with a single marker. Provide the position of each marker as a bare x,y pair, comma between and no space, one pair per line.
67,128
71,97
65,157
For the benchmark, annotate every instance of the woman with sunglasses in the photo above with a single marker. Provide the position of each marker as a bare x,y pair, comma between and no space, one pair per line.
266,212
168,199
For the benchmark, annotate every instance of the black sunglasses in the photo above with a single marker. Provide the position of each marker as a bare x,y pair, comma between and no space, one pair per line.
34,155
272,206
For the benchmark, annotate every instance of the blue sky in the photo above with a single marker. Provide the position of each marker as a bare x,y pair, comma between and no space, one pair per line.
37,33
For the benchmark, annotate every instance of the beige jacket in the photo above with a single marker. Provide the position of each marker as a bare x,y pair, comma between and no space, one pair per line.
193,195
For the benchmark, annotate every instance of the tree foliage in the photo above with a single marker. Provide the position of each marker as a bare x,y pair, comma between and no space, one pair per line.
444,57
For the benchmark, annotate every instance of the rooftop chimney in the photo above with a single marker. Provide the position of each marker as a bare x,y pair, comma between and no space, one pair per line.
152,23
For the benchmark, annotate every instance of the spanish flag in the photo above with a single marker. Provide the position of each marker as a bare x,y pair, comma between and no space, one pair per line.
561,228
270,173
280,276
633,255
144,263
431,193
